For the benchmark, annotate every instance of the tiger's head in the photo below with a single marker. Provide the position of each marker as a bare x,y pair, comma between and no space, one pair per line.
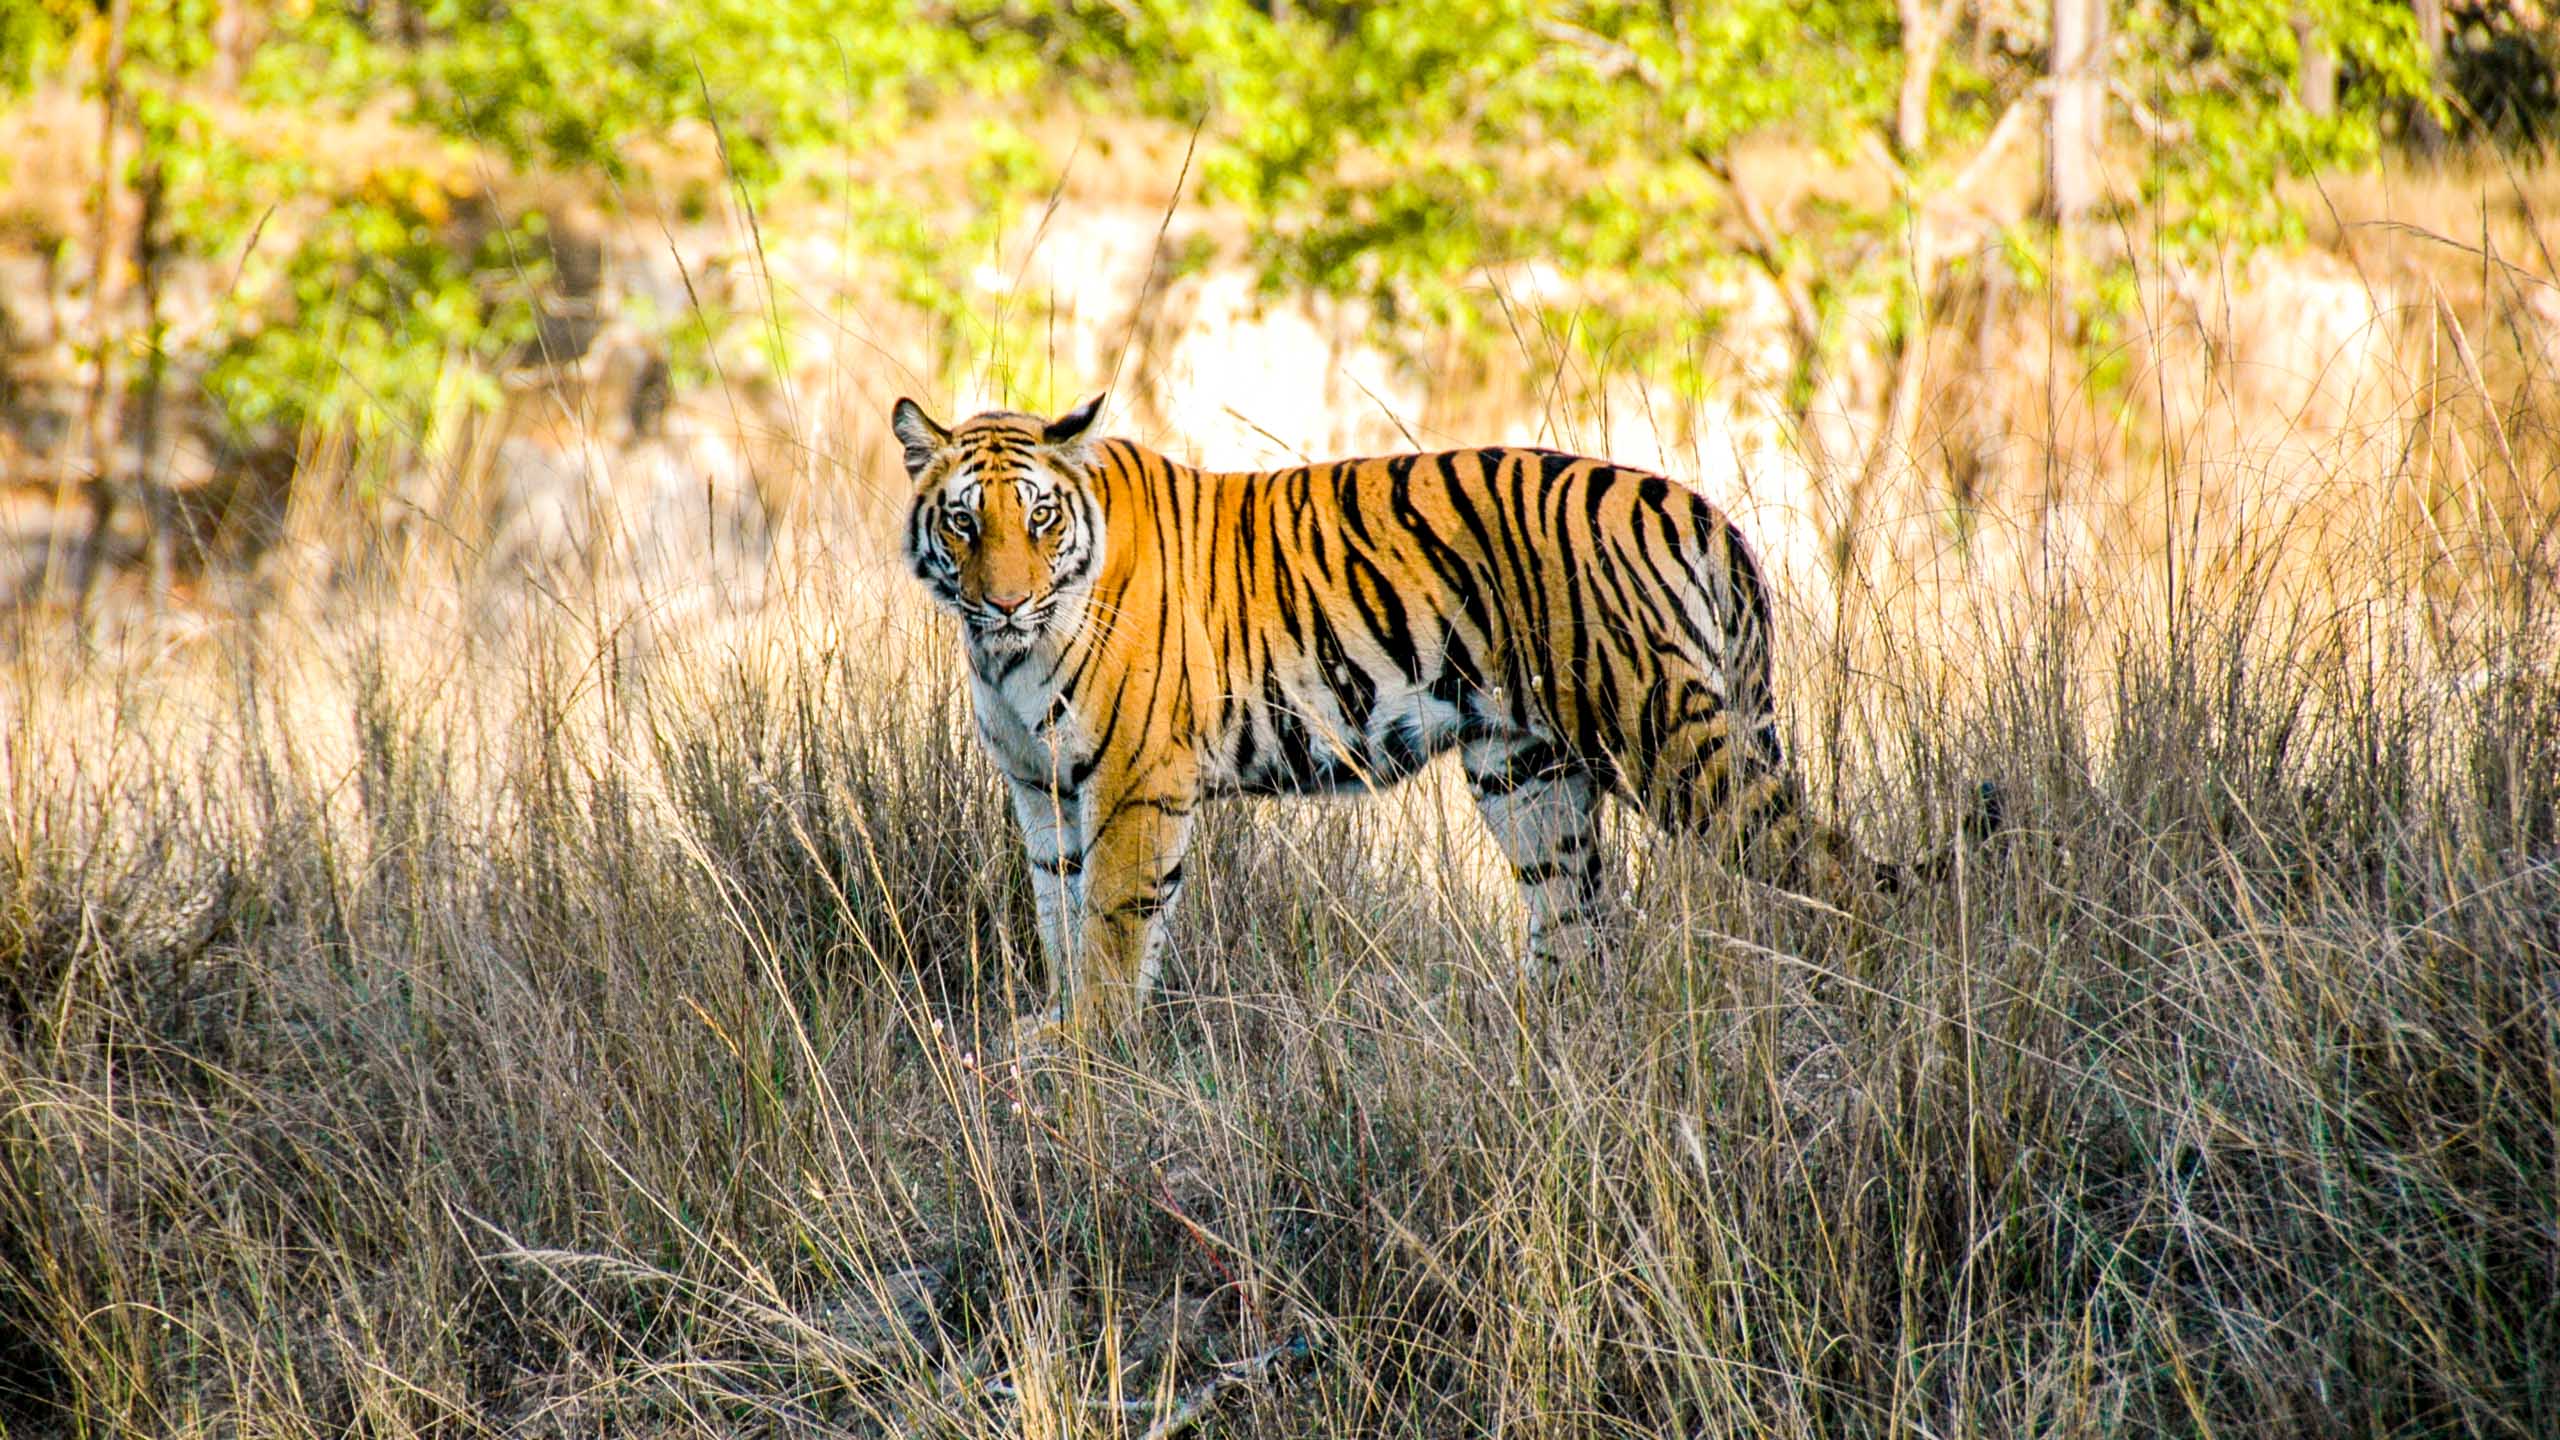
1005,529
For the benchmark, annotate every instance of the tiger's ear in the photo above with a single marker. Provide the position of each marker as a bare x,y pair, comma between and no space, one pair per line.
1070,427
919,434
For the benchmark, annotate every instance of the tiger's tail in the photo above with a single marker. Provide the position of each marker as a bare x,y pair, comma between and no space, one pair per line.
1778,839
1725,773
1985,816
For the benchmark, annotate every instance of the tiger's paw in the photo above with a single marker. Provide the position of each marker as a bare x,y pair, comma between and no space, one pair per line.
1072,1029
1042,1034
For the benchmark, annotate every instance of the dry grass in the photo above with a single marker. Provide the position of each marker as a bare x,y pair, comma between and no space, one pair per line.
407,1030
521,1042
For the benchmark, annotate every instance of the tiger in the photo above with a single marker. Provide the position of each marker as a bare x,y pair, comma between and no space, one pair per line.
1142,635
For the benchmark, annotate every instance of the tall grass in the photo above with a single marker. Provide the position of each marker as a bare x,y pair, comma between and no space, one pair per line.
531,1047
405,1030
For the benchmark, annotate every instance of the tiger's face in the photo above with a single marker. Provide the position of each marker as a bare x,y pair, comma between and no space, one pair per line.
1004,530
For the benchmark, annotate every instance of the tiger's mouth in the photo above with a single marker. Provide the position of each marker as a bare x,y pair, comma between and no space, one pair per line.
993,629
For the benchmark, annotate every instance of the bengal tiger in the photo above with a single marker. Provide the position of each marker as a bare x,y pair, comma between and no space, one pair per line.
1142,635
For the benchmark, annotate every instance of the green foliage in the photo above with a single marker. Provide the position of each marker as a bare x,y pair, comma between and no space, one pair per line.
2105,306
377,289
384,300
35,36
576,84
1403,153
1399,149
2225,73
1398,152
588,86
378,296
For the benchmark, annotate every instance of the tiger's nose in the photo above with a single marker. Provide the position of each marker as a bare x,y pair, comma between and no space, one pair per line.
1009,603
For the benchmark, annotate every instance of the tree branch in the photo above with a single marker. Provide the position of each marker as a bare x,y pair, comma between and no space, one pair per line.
1763,245
2155,127
2013,122
1612,57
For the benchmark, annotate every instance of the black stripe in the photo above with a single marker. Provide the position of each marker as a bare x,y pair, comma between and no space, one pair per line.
1147,905
1556,473
1531,764
1169,808
1519,550
1539,872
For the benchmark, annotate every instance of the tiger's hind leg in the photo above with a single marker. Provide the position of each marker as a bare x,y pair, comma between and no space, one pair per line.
1542,805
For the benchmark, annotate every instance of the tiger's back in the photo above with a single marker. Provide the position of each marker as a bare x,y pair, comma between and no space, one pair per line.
1570,627
1363,617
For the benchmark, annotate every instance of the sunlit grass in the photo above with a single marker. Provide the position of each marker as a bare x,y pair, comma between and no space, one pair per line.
414,1033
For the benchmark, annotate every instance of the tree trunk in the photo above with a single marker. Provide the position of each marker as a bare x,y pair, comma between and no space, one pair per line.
2426,133
105,422
149,487
1767,249
2077,122
2318,89
228,32
1924,33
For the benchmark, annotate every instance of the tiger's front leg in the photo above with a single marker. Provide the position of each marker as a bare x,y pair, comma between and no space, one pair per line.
1138,828
1052,821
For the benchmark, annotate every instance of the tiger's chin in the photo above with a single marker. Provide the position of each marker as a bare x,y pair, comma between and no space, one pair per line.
1004,641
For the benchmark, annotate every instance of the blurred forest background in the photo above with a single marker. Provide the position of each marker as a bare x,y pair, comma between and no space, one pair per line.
506,929
283,279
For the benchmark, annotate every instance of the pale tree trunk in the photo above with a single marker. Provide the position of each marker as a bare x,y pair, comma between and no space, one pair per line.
230,46
1925,28
105,422
157,502
2425,131
2077,123
1924,32
2319,85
